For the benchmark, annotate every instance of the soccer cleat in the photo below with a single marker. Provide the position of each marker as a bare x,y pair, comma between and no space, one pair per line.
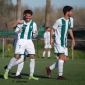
33,78
61,78
6,75
18,77
48,71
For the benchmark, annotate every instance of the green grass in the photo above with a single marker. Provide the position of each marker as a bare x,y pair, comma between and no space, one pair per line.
74,70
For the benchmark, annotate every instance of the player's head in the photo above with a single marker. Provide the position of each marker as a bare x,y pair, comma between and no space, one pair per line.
28,15
48,28
67,10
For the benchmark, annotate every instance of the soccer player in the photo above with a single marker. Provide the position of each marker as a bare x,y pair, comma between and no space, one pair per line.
47,45
25,43
61,27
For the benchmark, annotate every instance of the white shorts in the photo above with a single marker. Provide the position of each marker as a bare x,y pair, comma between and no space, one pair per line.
47,46
24,45
14,44
58,49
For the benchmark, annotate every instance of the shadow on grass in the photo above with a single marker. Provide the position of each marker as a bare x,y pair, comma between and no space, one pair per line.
12,75
1,76
39,76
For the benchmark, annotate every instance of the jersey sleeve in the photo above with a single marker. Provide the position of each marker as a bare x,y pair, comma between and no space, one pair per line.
57,24
34,27
44,35
71,22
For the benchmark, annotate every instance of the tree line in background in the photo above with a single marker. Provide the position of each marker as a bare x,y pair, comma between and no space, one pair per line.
8,15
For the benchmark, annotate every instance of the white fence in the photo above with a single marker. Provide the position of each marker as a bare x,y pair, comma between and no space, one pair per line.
2,42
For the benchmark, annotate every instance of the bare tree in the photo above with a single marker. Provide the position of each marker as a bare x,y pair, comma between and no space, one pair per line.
18,16
47,13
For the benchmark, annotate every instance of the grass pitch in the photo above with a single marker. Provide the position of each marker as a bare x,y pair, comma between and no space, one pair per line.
74,70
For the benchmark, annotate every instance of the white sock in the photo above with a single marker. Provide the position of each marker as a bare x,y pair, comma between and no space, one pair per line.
53,65
43,53
32,66
21,59
60,67
11,63
48,54
20,67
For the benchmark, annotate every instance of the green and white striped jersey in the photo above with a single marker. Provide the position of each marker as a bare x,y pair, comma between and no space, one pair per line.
27,30
61,27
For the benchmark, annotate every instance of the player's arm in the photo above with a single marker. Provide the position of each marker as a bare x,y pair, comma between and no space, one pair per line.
35,31
18,28
44,38
44,41
16,23
55,26
51,36
72,37
71,32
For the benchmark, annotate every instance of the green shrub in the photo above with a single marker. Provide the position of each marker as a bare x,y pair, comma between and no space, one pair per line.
9,51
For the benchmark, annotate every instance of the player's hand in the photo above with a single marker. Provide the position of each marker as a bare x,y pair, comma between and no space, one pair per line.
20,30
36,32
73,43
20,21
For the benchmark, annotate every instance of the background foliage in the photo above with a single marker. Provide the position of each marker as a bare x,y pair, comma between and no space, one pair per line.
8,14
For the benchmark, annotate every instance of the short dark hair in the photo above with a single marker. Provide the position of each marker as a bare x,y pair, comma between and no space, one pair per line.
28,11
67,9
47,28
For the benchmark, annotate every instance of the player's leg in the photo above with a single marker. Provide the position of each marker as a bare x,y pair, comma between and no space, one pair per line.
17,59
31,50
20,67
51,67
59,63
12,61
49,47
62,59
20,61
44,52
48,53
54,65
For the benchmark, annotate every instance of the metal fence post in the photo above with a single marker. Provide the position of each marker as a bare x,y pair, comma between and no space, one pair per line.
72,52
3,48
37,47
